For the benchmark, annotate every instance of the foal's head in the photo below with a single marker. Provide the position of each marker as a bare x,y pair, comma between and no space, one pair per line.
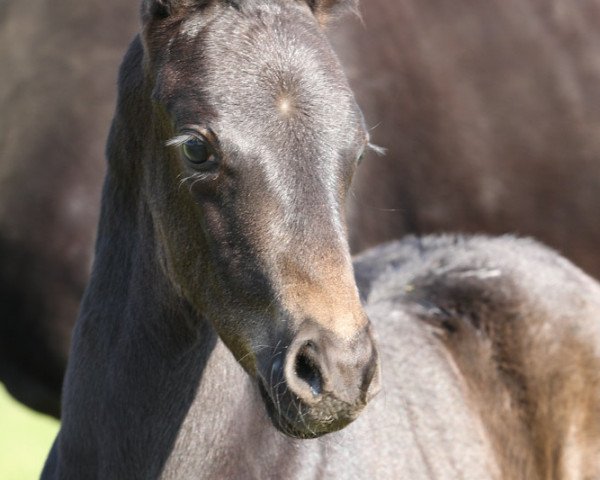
254,139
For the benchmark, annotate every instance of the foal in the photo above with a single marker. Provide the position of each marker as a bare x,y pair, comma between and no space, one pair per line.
230,155
223,302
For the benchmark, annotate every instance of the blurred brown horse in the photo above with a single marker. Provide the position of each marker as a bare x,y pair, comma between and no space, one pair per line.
489,113
57,89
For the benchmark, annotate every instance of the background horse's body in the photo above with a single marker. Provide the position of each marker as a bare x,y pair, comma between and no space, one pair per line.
490,371
59,63
490,114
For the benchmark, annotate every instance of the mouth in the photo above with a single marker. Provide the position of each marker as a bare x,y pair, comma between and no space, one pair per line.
281,422
329,417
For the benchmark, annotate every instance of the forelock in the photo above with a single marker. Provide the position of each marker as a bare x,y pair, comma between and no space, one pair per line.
277,71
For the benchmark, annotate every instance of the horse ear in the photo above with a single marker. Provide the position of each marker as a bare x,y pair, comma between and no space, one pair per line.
152,9
155,9
325,9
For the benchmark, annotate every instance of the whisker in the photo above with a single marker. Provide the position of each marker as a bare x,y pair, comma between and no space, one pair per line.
195,177
258,349
380,151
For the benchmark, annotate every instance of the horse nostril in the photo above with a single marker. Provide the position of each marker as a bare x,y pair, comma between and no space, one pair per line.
307,371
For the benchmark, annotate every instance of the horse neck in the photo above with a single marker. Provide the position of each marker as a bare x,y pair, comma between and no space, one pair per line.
168,377
152,346
126,266
154,350
170,395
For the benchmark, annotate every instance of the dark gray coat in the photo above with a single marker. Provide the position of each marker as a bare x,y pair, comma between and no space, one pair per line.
490,357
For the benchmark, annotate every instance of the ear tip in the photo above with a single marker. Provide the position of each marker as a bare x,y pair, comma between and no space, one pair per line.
155,9
152,9
333,7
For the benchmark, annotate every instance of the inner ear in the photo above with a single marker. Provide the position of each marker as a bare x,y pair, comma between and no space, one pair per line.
324,9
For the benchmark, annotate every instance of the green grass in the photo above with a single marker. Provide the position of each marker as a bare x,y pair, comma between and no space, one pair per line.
25,439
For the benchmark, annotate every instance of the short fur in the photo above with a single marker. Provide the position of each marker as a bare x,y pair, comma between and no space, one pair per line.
490,351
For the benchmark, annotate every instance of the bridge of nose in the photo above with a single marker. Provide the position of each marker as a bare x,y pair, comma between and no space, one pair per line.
324,292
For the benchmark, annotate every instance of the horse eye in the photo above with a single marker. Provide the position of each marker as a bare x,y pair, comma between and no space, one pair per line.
360,158
198,153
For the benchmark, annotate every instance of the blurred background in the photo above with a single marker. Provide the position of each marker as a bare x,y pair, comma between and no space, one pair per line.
58,85
489,111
